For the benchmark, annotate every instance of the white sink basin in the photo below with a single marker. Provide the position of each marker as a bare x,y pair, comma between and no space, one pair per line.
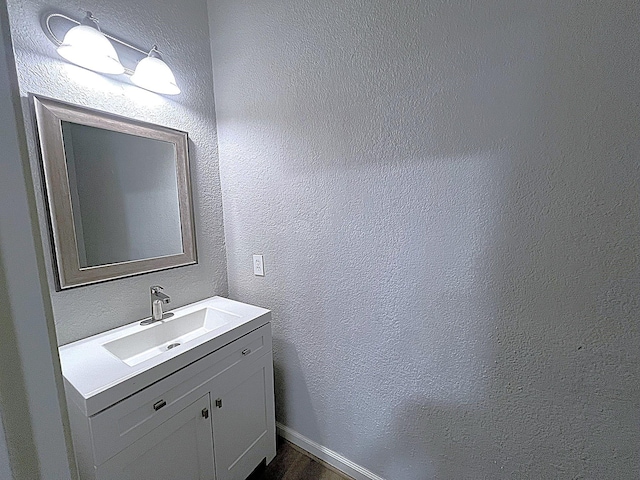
166,334
101,370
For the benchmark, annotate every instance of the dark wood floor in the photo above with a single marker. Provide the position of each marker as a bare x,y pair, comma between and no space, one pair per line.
291,464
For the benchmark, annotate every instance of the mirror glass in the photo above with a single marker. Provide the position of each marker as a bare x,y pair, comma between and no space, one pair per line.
124,195
118,191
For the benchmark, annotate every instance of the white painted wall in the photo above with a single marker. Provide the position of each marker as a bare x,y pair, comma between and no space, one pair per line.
447,198
180,29
33,420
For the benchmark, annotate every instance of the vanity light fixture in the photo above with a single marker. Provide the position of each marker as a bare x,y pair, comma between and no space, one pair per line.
155,75
87,46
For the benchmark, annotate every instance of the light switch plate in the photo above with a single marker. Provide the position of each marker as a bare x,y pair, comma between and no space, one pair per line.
258,265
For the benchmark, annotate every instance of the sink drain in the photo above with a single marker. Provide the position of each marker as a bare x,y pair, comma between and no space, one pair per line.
173,345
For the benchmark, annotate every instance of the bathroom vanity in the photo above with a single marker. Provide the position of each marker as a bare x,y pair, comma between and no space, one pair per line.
190,397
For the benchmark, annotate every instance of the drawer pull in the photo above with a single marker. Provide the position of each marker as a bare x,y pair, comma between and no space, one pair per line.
246,351
158,405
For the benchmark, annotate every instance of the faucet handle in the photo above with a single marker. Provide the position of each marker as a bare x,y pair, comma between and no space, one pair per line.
155,289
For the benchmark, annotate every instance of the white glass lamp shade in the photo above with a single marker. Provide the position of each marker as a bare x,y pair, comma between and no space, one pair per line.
87,47
155,75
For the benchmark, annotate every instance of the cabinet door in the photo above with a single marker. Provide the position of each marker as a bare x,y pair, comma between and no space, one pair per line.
243,419
180,448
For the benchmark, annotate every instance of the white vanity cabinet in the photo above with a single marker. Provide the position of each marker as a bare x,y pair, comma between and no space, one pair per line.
181,447
211,419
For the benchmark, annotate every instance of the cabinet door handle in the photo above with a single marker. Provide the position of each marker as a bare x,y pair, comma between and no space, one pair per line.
205,412
158,405
246,351
219,402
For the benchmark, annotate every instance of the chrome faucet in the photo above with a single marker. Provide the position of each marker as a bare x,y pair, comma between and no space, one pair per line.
156,294
157,300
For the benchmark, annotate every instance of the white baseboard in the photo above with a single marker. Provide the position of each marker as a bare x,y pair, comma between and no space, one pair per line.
323,453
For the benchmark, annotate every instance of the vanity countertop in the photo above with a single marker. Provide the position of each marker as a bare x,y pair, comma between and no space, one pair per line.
95,378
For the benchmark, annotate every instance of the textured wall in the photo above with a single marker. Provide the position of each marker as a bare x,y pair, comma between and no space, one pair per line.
181,31
447,198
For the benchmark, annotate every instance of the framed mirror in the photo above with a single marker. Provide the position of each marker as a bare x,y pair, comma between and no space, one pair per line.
118,191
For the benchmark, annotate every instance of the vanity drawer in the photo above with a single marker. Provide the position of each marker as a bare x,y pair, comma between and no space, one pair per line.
125,422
